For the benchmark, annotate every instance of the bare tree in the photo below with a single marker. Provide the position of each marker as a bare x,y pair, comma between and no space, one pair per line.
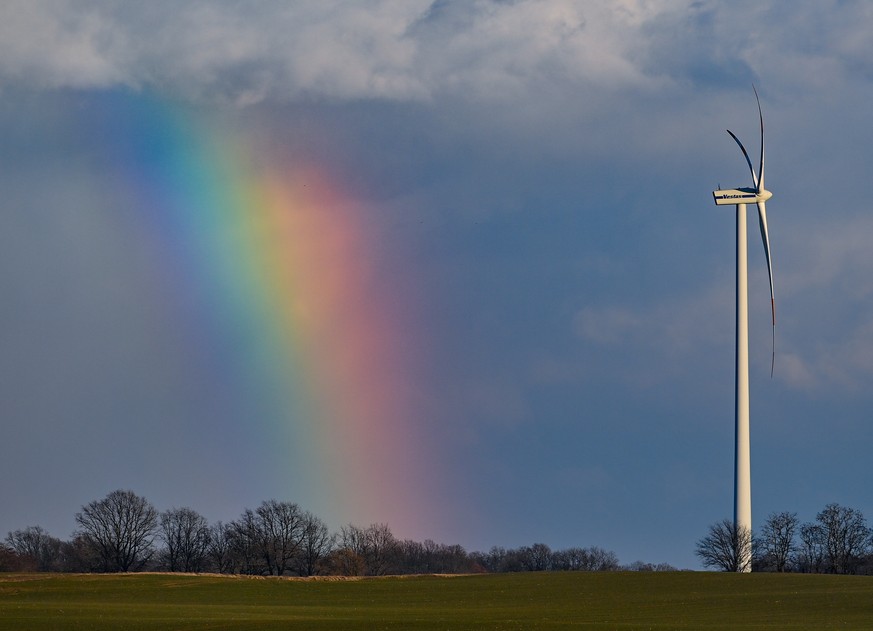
494,560
185,533
348,558
776,542
600,560
593,559
245,544
281,530
811,555
267,540
315,545
11,561
569,559
415,557
536,558
220,548
380,550
642,566
846,537
429,557
727,547
79,555
120,528
373,551
447,559
38,545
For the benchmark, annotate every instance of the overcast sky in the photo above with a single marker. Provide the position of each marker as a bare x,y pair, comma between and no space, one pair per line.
527,186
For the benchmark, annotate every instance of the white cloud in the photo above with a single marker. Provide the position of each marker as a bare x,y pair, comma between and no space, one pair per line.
241,51
249,51
505,49
58,44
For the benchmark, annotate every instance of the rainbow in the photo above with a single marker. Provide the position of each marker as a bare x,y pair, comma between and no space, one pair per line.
285,277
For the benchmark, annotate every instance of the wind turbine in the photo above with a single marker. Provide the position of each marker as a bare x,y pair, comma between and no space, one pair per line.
739,197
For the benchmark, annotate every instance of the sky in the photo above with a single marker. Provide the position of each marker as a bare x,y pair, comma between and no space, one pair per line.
451,266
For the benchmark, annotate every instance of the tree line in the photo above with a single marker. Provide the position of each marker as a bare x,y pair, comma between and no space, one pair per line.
839,541
123,532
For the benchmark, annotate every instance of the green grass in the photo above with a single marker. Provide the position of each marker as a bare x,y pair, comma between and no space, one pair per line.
682,600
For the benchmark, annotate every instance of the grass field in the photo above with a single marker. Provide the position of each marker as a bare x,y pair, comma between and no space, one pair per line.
682,600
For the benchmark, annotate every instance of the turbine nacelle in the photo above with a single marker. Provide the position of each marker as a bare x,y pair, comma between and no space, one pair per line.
758,195
734,196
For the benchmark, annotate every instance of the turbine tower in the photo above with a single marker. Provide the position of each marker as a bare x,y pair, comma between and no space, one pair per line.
739,197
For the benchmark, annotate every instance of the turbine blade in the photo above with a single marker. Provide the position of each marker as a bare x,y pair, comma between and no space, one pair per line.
760,183
765,237
748,161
